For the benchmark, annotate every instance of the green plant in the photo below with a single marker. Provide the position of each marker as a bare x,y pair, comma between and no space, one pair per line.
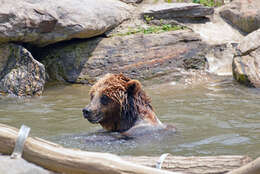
151,29
148,18
209,3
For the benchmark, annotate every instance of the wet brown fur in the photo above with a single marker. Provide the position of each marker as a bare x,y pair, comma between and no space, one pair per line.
130,104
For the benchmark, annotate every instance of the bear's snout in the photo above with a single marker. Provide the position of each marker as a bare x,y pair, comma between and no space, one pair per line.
86,112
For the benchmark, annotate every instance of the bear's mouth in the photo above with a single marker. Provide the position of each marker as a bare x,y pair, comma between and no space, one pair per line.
95,119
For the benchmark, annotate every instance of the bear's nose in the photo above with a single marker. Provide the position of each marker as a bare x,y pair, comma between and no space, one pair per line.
86,112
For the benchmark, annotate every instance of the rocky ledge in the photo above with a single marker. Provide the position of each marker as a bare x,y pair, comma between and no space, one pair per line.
246,63
245,15
141,56
45,22
79,41
177,11
20,73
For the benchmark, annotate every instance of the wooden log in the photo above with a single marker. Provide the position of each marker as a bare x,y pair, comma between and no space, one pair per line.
69,161
194,165
63,160
250,168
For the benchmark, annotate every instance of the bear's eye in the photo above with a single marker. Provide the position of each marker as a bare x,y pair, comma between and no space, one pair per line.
104,100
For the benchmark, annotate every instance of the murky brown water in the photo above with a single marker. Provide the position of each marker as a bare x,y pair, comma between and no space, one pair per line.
220,118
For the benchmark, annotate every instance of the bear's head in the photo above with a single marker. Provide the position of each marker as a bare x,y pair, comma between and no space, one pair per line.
117,103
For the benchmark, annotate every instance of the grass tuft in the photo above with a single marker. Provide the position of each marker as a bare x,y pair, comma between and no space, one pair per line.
151,29
209,3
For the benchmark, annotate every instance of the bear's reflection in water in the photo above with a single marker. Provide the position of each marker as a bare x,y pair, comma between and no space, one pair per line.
113,142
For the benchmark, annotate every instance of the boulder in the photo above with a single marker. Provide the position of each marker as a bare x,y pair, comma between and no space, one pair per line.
243,14
141,56
132,1
177,11
43,22
250,43
20,73
20,166
246,63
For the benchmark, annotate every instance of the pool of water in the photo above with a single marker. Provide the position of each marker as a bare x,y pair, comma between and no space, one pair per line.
219,117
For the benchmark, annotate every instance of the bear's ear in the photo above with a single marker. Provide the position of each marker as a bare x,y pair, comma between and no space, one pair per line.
133,86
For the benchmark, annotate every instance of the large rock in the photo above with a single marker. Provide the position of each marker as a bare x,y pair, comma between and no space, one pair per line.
243,14
131,1
19,166
177,11
42,22
20,73
246,64
138,56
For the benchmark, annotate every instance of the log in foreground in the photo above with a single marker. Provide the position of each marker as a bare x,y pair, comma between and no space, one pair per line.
63,160
69,161
195,165
250,168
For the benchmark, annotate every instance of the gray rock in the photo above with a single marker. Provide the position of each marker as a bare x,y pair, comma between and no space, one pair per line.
132,1
177,11
19,166
245,15
246,64
141,56
20,73
250,43
45,22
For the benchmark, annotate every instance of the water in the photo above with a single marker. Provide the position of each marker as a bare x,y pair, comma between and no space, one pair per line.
219,117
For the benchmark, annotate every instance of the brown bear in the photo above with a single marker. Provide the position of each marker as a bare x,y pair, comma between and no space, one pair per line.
119,104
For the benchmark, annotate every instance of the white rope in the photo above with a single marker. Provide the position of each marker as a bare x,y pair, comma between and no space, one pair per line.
160,161
19,144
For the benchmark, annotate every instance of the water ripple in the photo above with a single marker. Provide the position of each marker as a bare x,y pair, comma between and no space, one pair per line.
226,139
